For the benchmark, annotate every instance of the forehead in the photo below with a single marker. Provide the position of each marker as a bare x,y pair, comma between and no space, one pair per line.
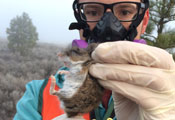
109,1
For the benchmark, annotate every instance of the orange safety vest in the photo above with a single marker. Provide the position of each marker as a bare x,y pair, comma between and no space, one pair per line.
50,108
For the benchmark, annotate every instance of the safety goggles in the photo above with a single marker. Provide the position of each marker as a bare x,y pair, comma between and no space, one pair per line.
124,11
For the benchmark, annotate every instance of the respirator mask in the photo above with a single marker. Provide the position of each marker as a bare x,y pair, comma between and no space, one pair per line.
108,19
108,28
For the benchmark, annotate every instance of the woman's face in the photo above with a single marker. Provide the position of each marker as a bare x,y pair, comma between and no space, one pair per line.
140,29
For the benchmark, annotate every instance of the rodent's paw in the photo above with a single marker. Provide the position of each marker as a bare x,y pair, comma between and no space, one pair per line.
63,72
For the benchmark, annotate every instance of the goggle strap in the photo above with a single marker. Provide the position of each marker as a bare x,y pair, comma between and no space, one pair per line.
79,24
75,25
132,32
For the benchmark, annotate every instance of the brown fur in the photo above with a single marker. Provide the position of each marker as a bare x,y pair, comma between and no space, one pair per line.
85,100
89,95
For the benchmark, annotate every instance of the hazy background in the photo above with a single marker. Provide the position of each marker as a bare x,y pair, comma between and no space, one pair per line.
51,17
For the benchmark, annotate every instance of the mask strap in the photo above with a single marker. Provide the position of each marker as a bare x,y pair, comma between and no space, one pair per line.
76,25
79,24
132,32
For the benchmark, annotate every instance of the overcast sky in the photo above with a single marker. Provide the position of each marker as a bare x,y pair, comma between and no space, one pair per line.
51,17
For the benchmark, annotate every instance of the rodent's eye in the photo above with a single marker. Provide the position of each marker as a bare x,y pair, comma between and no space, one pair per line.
78,51
67,53
74,52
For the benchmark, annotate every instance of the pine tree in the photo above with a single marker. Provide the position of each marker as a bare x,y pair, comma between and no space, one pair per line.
22,35
161,12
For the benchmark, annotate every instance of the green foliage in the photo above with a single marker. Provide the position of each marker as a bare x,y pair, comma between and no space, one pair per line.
166,40
161,12
22,35
150,27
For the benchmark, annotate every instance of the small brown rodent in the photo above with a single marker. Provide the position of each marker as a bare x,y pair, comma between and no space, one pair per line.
81,93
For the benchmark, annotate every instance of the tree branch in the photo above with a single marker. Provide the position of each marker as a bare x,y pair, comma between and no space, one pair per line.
149,35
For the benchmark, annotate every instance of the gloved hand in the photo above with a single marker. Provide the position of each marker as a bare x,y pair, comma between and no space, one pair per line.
141,77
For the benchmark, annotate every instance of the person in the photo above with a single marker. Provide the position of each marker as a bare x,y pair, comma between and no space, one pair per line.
141,77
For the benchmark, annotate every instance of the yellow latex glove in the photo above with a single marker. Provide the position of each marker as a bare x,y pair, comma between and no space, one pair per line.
141,77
